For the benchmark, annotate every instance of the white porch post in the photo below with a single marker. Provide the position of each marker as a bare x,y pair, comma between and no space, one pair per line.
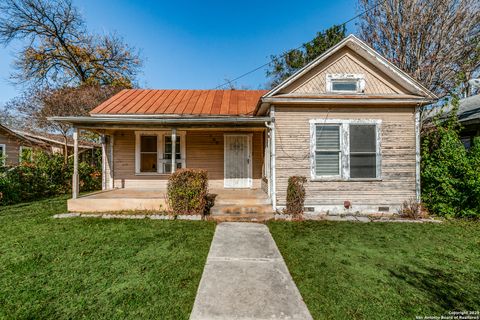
111,180
75,182
104,162
273,155
174,147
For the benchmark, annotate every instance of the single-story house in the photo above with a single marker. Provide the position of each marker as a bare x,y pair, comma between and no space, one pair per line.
348,121
15,144
55,143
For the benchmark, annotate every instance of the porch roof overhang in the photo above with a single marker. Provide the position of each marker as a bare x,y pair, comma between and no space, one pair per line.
148,121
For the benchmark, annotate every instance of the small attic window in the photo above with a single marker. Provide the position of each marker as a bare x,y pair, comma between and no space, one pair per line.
345,83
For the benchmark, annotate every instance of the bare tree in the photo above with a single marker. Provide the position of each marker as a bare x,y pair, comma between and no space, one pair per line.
35,107
436,41
59,51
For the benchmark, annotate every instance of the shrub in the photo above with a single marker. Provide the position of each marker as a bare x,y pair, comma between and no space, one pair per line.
295,195
412,209
187,191
450,175
46,175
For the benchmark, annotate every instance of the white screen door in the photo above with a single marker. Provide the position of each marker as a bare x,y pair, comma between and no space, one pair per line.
237,161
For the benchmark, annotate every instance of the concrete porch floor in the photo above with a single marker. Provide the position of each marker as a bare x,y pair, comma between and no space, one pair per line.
130,199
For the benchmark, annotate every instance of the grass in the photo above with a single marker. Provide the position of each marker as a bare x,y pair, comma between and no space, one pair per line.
382,270
87,268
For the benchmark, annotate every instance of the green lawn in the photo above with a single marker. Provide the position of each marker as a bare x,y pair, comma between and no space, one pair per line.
95,268
382,270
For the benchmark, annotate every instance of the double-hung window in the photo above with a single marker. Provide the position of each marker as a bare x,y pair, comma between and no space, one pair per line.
153,153
345,149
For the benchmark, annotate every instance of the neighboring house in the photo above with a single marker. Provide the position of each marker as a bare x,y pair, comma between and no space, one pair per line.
347,121
468,116
55,143
15,144
12,146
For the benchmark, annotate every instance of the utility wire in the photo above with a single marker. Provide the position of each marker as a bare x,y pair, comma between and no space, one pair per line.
281,56
297,48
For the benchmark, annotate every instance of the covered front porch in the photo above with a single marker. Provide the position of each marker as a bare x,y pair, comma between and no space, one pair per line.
139,154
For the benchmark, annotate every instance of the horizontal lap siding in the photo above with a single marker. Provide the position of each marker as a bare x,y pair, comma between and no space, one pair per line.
12,146
397,147
204,150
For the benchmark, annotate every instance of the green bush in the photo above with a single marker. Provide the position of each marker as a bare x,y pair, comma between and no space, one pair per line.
187,191
450,173
295,195
44,176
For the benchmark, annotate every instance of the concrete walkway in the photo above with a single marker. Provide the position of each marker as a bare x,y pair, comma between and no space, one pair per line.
245,277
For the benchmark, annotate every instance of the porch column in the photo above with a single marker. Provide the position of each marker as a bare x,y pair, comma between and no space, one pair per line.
174,147
104,162
75,183
111,181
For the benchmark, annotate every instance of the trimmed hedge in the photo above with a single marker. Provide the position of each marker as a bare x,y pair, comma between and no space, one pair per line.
295,195
187,191
45,176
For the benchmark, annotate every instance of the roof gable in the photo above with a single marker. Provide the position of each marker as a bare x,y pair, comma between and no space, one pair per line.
351,56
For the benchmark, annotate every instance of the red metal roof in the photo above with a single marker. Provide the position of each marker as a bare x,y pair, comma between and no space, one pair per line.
181,102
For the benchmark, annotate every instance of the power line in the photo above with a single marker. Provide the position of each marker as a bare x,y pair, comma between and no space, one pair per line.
281,56
297,48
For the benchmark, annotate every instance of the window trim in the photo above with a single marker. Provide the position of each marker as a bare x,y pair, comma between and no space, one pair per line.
160,150
4,153
340,151
345,148
358,77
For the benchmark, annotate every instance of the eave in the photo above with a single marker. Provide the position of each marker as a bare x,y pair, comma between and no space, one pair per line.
142,121
344,101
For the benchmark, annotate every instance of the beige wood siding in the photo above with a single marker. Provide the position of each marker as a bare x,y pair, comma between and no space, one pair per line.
12,146
345,61
204,150
397,148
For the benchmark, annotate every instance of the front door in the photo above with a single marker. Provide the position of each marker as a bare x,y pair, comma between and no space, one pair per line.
238,161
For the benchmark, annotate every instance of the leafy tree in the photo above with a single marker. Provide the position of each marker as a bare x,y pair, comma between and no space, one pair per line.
59,51
449,172
286,64
433,40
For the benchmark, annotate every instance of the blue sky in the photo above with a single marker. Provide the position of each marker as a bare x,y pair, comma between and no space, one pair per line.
199,44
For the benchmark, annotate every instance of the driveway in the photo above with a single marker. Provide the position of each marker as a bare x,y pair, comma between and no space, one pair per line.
245,277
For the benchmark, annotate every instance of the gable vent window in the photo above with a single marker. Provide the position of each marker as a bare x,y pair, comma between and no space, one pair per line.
345,149
345,83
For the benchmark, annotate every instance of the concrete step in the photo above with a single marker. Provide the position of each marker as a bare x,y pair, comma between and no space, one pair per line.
241,209
241,217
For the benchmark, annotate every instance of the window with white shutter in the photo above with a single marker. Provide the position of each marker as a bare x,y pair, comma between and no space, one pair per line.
327,150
